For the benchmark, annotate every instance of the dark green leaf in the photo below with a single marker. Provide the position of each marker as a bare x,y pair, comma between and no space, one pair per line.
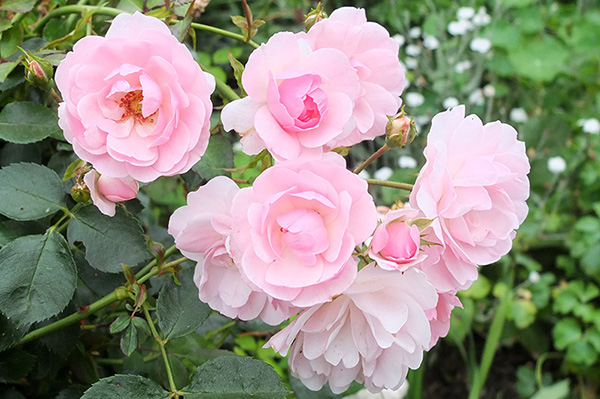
142,325
62,341
14,365
120,323
26,122
219,155
10,41
129,340
72,392
10,333
179,310
125,387
21,6
180,29
11,230
38,277
6,68
30,191
100,282
566,332
109,241
235,377
15,153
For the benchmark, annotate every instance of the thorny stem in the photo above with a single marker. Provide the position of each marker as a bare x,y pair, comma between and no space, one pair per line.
373,157
392,184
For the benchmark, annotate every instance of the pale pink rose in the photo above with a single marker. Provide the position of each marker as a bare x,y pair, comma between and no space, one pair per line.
298,99
474,185
374,55
372,333
107,191
396,243
296,228
201,230
439,317
135,102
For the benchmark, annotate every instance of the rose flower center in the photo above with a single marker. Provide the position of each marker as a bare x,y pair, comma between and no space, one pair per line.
131,103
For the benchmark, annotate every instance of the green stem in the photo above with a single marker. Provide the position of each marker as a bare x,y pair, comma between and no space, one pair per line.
150,265
415,382
373,157
161,343
493,339
157,270
392,184
223,32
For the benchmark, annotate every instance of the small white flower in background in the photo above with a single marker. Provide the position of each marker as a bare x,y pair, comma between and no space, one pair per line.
383,173
411,63
450,102
430,42
364,174
465,13
237,146
462,66
489,90
400,393
557,164
414,99
477,97
398,38
591,125
457,28
534,276
406,162
481,45
518,115
415,32
482,18
413,50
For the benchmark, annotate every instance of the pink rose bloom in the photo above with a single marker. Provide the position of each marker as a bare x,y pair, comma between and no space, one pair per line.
298,99
372,333
135,102
296,228
374,56
396,244
107,191
201,230
439,317
474,184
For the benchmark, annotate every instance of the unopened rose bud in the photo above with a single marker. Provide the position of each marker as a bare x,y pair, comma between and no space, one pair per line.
38,71
314,16
81,193
107,191
400,131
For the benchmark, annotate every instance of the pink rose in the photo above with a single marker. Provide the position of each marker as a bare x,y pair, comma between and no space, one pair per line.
396,243
135,102
298,99
439,317
106,191
474,184
372,333
296,228
374,56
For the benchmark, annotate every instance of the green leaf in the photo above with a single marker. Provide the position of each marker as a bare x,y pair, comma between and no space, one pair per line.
540,60
38,277
10,41
109,241
125,387
582,352
129,340
142,325
6,68
219,155
14,365
10,332
523,312
21,6
26,122
180,29
179,310
566,332
30,191
120,323
235,377
64,340
99,282
560,390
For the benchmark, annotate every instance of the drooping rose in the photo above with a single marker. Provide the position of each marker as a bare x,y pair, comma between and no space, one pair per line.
396,243
372,333
298,99
296,228
106,191
135,102
374,55
474,185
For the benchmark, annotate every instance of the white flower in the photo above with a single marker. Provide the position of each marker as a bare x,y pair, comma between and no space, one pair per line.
477,97
407,162
450,102
237,146
413,50
557,164
364,174
415,32
398,38
385,394
591,125
482,18
465,13
489,90
481,45
414,99
534,276
430,42
462,66
384,173
459,28
411,63
518,115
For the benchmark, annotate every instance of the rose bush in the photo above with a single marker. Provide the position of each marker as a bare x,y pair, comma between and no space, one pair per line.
135,102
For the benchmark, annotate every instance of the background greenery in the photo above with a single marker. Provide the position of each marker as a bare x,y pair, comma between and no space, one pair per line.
530,324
